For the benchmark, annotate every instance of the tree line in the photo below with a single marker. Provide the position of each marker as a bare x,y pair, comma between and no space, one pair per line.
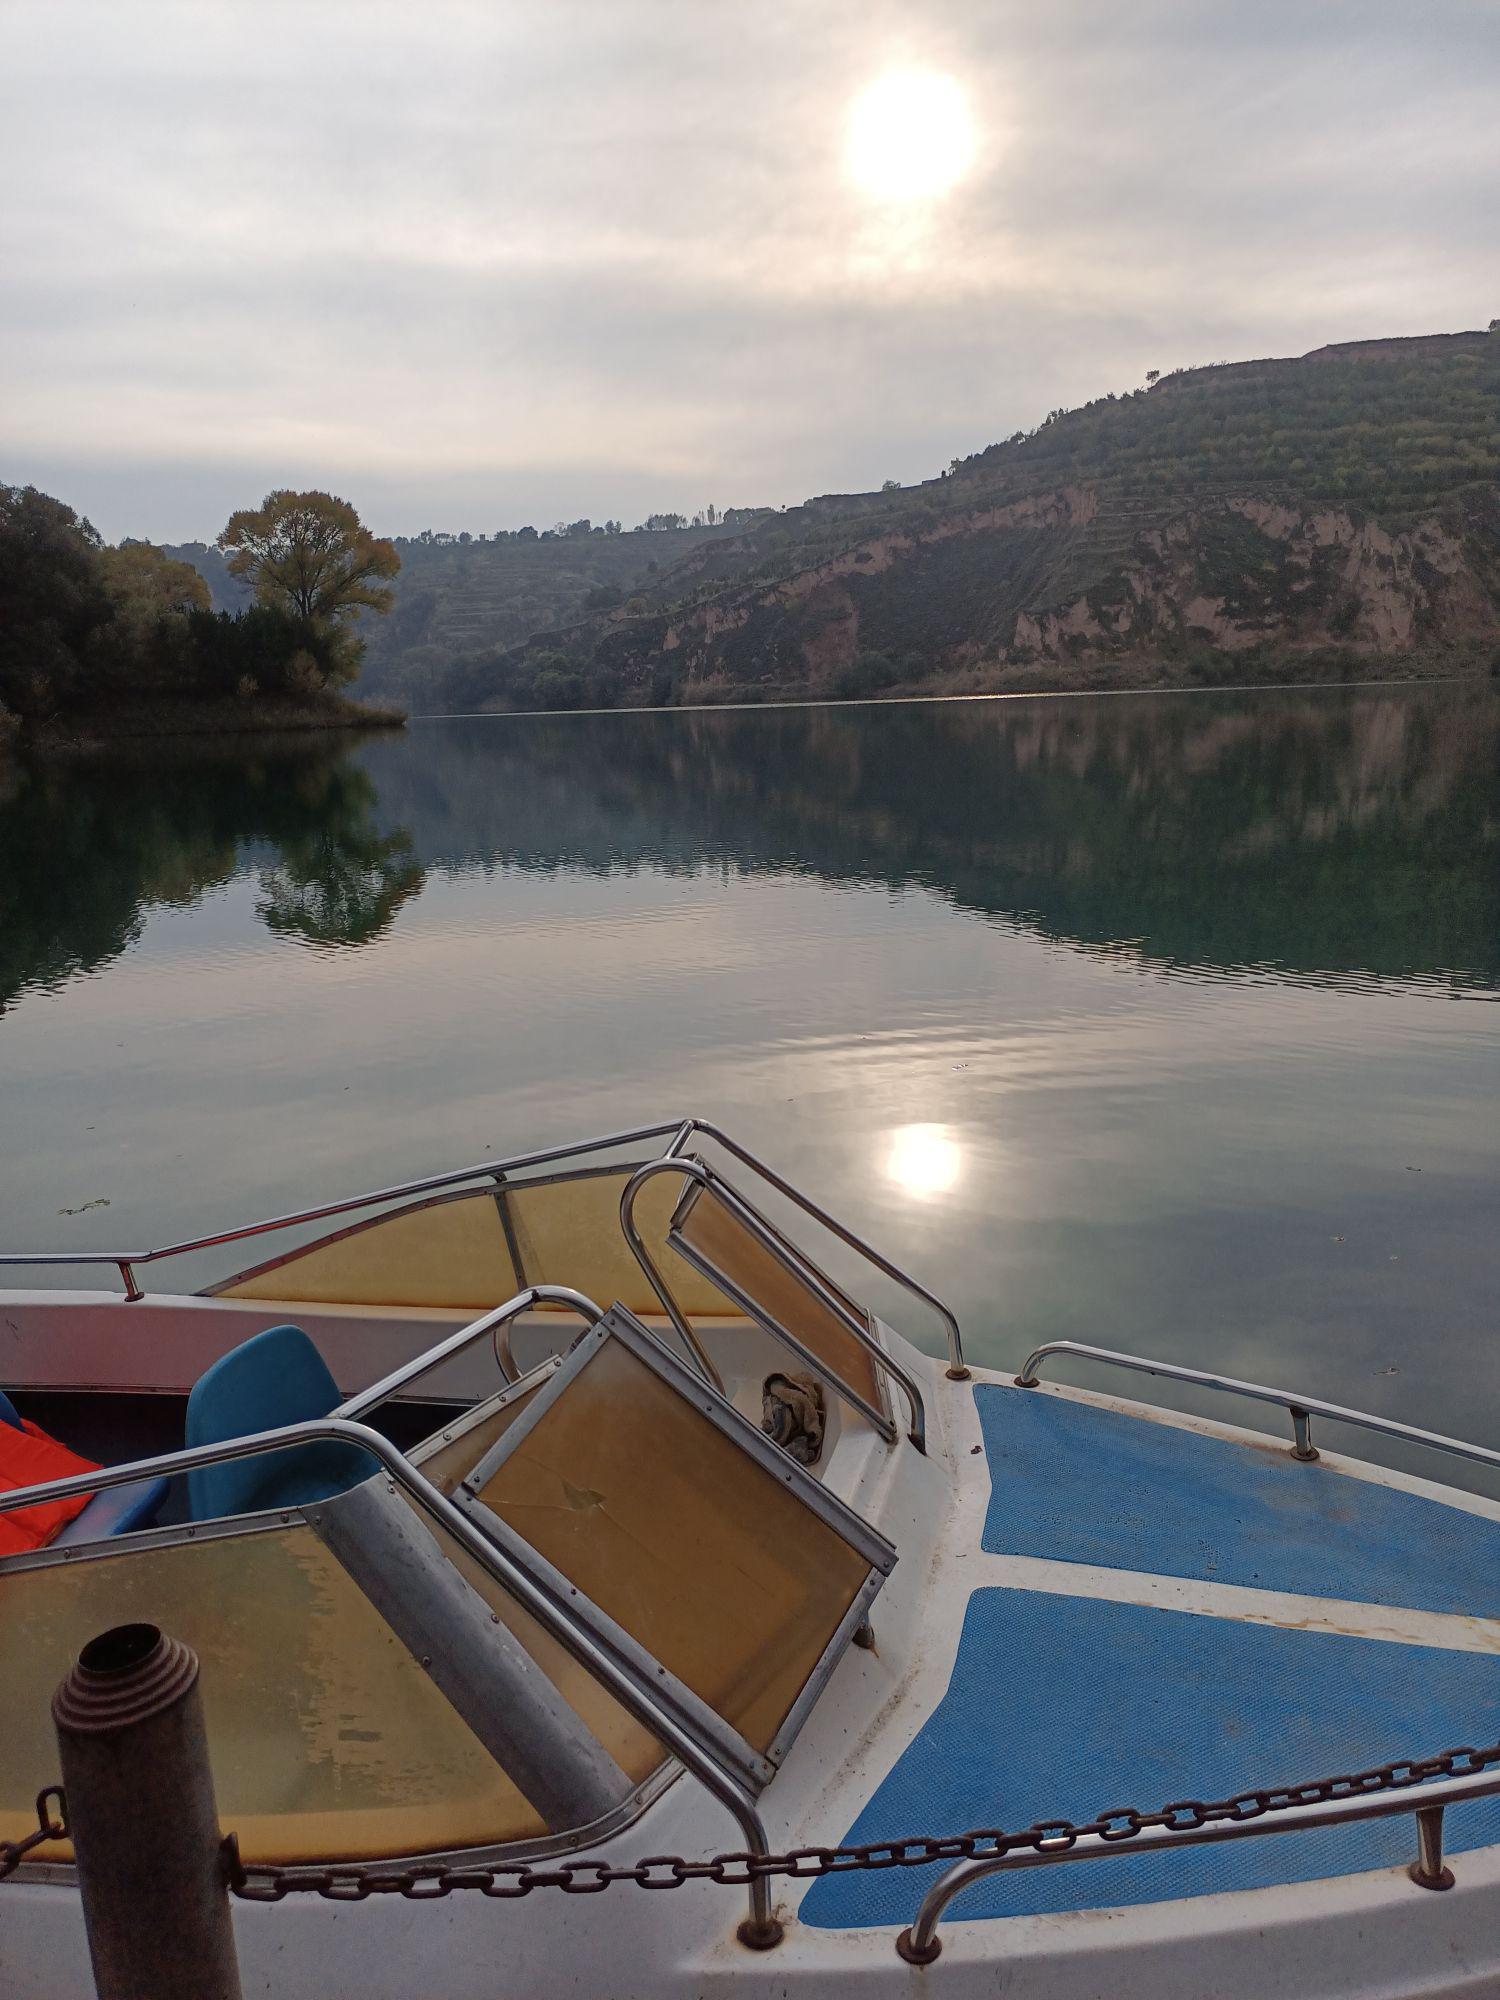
580,530
86,627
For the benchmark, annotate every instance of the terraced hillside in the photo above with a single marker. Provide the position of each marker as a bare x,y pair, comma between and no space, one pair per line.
455,598
1267,519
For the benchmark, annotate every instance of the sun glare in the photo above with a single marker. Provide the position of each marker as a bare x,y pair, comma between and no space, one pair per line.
910,136
923,1160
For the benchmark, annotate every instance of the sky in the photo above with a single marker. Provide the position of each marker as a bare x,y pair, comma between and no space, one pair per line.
474,263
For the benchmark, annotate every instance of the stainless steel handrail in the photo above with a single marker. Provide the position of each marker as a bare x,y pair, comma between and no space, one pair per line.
792,1263
957,1369
1301,1408
920,1945
567,1629
125,1260
680,1131
496,1324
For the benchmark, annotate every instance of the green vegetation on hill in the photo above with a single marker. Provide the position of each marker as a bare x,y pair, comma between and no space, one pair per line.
1251,515
1393,426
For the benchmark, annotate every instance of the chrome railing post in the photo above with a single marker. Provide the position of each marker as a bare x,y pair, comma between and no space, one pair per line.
1302,1444
1428,1871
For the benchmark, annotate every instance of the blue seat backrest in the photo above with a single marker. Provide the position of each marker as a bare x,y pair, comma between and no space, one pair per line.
276,1377
8,1412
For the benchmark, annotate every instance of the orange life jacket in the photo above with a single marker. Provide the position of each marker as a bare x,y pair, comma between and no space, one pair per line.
28,1457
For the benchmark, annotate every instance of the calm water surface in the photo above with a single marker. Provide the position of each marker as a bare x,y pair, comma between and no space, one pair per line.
1163,1022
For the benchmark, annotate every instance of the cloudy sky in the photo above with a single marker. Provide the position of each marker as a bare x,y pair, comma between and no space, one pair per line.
472,263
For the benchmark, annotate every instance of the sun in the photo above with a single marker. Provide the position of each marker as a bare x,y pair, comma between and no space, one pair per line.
910,136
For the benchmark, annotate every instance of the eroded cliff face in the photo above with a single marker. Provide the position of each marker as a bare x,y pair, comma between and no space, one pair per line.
1069,578
1295,580
815,615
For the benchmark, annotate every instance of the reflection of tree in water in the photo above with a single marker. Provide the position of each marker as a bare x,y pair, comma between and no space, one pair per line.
88,847
339,880
1353,833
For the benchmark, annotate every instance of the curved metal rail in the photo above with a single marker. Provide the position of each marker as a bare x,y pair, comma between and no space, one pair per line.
678,1130
920,1945
497,1324
957,1369
646,1706
125,1261
1302,1409
791,1262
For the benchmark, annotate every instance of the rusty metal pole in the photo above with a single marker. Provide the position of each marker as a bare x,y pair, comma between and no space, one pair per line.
141,1814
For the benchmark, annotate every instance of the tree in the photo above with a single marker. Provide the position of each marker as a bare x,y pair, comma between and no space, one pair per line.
52,598
145,582
1495,326
890,485
1153,376
146,643
310,554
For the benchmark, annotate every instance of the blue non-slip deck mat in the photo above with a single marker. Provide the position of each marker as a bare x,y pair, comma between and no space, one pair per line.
1087,1485
1062,1707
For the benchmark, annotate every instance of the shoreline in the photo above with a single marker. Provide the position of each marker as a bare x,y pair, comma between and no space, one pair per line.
98,729
902,697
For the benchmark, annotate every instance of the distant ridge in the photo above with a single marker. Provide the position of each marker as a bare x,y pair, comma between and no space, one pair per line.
1333,514
1336,514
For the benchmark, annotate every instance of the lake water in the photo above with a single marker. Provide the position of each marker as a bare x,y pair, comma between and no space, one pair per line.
1164,1022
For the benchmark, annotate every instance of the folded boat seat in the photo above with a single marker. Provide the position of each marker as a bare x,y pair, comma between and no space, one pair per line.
276,1377
120,1510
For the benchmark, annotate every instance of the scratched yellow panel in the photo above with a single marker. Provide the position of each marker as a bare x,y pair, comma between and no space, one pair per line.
326,1738
697,1549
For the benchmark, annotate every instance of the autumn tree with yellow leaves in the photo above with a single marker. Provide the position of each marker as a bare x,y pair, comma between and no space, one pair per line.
310,556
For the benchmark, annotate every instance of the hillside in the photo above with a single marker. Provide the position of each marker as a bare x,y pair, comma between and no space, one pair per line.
458,597
1275,519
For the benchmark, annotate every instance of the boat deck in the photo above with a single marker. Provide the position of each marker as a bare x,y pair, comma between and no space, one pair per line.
1158,1614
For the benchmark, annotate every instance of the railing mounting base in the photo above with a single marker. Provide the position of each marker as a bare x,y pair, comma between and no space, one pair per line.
1443,1879
907,1950
760,1937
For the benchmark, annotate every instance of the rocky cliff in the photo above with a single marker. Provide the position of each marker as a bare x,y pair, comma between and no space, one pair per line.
1273,519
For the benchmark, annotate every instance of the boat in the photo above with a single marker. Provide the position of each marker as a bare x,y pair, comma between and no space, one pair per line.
614,1549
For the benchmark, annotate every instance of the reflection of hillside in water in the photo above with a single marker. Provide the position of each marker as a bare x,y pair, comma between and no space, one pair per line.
1339,834
1349,836
89,847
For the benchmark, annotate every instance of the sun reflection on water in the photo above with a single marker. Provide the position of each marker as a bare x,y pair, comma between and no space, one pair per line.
924,1160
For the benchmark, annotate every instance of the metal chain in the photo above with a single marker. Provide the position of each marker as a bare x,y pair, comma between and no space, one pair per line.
49,1826
262,1882
424,1881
